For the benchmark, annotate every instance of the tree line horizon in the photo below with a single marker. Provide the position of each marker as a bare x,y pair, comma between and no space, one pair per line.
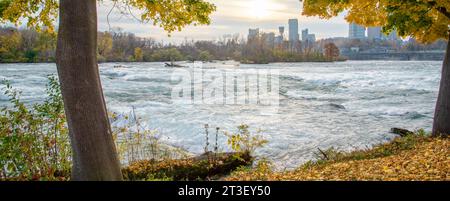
31,46
25,45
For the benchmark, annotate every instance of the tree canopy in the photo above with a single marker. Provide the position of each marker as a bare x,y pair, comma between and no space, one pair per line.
425,20
171,15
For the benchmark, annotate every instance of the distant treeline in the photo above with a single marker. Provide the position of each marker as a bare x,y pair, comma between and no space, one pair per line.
25,45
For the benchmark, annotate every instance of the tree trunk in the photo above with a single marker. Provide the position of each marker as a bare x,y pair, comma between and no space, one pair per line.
94,152
441,125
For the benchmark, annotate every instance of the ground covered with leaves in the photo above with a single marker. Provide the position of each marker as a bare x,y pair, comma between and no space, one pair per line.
204,167
414,157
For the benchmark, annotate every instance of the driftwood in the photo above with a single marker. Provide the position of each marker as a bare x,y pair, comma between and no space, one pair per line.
402,132
173,65
202,167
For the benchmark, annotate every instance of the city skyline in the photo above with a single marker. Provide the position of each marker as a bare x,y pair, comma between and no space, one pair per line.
231,17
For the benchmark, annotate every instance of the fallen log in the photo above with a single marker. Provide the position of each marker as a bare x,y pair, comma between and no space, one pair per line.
202,167
174,65
402,132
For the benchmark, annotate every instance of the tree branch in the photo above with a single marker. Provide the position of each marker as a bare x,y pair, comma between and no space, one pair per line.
442,10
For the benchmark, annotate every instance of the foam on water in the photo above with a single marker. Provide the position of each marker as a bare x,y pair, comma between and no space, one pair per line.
346,105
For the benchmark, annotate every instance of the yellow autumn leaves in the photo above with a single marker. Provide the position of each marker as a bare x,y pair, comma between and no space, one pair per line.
425,20
427,160
39,14
171,15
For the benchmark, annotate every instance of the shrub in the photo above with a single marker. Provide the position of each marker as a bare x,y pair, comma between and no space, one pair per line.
34,142
244,141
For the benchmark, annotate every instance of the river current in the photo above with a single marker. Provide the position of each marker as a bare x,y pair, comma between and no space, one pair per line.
346,105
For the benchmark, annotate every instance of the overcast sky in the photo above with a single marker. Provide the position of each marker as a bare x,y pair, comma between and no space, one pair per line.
231,17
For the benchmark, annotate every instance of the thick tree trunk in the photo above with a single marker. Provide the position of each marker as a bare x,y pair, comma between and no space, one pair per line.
441,125
94,153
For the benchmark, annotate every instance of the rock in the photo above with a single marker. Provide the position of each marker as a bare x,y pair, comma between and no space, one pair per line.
402,132
337,106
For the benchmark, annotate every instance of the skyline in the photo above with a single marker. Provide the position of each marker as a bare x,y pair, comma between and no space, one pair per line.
231,17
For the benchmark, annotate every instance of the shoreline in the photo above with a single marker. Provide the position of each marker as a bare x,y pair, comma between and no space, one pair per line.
229,60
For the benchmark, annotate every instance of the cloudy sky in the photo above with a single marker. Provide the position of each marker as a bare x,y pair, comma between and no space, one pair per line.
231,17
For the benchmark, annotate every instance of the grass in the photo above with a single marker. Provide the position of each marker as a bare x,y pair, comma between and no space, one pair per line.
414,157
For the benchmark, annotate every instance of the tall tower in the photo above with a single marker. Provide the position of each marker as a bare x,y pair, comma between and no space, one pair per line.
293,30
356,31
281,31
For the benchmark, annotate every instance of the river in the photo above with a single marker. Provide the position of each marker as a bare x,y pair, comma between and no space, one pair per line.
346,105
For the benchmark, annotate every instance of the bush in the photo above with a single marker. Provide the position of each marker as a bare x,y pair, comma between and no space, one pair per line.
244,141
34,142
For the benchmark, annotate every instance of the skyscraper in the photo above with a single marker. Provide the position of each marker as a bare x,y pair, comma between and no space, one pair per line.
308,38
305,33
281,31
356,31
293,30
374,33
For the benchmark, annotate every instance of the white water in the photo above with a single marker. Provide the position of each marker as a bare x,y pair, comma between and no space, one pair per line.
344,105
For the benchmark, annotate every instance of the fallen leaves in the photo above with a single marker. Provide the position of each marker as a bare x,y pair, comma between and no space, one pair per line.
428,160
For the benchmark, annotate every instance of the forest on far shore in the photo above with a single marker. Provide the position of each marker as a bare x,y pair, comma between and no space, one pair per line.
30,46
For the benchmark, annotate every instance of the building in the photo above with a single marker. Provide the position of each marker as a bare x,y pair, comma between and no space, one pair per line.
280,38
307,38
374,33
392,36
356,31
305,35
354,49
281,31
377,34
293,30
311,38
253,33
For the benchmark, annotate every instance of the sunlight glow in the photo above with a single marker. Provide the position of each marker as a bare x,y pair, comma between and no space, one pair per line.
259,8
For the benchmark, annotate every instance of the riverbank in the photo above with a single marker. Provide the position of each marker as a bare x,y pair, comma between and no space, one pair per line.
416,157
212,61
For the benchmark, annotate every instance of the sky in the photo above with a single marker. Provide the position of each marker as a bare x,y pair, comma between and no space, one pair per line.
231,17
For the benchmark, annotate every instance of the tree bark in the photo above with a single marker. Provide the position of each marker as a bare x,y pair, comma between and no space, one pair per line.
94,152
441,124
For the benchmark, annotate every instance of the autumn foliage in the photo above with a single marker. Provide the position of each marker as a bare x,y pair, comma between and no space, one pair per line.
412,158
331,51
425,20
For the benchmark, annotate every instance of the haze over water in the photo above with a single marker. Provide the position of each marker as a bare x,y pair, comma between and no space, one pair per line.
345,105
